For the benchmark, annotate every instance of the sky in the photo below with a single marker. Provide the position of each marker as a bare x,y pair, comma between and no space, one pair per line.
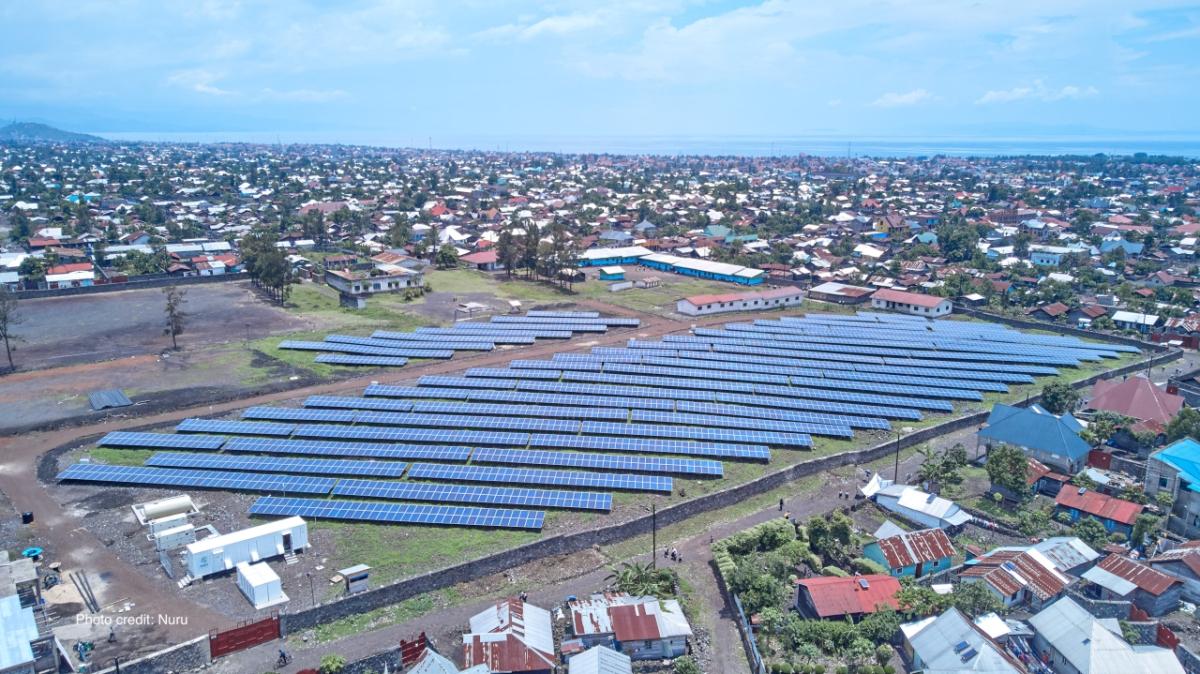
425,69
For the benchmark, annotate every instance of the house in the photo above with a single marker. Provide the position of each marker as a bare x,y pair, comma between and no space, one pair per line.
432,662
950,642
613,273
911,303
1051,439
840,293
644,628
483,260
836,597
1018,575
1051,311
912,553
1118,578
1138,398
1045,258
1175,469
1183,563
512,636
1130,320
1072,641
359,282
1039,479
916,506
600,660
704,305
604,257
1115,514
24,649
70,275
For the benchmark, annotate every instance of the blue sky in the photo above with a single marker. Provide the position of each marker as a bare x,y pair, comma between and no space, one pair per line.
421,68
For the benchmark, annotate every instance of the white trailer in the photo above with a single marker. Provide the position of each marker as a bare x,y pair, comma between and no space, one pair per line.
219,554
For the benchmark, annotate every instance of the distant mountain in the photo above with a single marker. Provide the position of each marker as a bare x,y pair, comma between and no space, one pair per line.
32,131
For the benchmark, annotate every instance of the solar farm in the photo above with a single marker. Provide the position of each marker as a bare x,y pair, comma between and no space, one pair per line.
394,349
506,447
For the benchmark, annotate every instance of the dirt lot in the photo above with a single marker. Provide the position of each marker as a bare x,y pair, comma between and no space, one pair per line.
89,328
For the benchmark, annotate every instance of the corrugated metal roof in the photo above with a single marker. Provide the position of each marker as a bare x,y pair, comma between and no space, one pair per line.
912,547
835,596
1136,574
106,398
1100,505
17,629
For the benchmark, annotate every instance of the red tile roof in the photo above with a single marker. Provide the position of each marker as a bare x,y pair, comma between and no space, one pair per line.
834,596
69,268
1146,578
1136,397
912,547
902,297
1100,505
480,257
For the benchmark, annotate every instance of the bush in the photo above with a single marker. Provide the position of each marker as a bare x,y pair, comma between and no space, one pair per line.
686,665
832,570
883,654
843,669
781,668
888,669
868,566
332,664
818,668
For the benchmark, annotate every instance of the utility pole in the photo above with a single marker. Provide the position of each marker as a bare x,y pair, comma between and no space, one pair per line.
654,535
311,592
896,471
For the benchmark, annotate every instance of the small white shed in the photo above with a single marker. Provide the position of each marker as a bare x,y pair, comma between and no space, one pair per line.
260,584
218,554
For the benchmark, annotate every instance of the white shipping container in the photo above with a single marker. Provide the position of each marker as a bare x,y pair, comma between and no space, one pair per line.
219,554
178,537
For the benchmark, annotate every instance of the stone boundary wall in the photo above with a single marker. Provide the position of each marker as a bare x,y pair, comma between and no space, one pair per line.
1060,329
156,281
182,658
1100,608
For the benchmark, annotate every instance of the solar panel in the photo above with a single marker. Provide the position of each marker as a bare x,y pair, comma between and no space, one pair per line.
164,440
839,430
300,414
812,405
398,513
372,450
277,465
517,397
637,464
781,415
199,479
563,314
433,344
698,433
466,382
233,427
503,373
365,350
452,493
351,359
483,409
414,435
539,477
356,403
652,446
397,340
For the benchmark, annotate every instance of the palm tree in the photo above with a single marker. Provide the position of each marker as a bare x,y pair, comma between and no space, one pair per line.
638,579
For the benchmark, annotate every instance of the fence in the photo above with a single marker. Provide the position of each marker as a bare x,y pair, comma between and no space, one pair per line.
135,283
748,640
243,636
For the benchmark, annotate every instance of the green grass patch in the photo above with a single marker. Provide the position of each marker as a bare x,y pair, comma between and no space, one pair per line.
409,609
119,457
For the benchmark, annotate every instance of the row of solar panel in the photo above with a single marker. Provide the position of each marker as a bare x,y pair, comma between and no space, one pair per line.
438,344
616,321
394,513
351,359
298,345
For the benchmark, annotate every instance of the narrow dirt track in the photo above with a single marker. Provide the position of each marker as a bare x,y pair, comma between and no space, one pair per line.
78,548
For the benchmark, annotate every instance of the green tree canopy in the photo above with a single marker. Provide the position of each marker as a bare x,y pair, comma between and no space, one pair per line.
1059,397
1008,467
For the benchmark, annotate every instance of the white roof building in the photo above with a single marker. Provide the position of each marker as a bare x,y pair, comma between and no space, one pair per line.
1076,641
951,643
600,660
916,505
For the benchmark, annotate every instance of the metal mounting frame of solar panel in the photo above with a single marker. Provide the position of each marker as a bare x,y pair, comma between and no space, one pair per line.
836,430
773,414
399,513
358,403
365,350
453,493
371,450
614,462
722,450
223,426
431,345
563,314
454,437
196,479
352,359
271,464
160,440
540,477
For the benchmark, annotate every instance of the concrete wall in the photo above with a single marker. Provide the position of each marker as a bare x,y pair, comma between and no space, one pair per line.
155,281
1100,608
184,657
1027,324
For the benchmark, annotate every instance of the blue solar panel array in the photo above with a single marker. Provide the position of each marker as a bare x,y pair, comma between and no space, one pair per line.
616,462
366,450
163,440
269,464
198,479
452,493
539,477
398,513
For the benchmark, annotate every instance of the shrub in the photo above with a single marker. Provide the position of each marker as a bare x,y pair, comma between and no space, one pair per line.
868,566
832,570
843,669
818,668
883,654
888,669
686,665
332,664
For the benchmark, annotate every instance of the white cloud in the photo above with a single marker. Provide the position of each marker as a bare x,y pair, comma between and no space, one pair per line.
1037,92
304,95
198,80
894,99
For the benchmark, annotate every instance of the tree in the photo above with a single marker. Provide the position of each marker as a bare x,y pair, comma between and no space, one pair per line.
686,665
975,599
1007,467
641,579
1144,525
175,315
8,319
1059,397
1185,424
332,664
919,600
446,257
1090,531
508,253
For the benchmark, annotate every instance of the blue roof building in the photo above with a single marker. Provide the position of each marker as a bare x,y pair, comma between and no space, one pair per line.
1130,248
1052,439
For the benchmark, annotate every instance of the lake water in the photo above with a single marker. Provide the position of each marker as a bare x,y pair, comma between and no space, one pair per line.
753,146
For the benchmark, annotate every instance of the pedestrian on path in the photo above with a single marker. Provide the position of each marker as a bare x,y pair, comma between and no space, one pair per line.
780,505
